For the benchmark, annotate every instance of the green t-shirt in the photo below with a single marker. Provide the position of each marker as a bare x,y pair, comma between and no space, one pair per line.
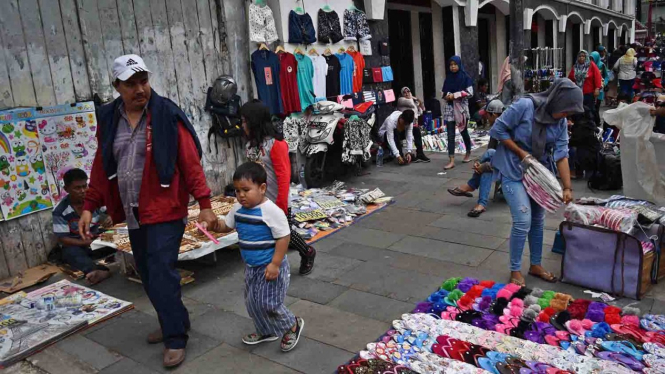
305,84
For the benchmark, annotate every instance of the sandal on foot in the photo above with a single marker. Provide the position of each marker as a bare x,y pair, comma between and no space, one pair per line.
458,192
546,276
474,213
448,167
517,281
255,338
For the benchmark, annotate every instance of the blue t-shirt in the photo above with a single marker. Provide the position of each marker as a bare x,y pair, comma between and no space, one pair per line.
387,73
66,220
346,73
258,228
265,66
515,123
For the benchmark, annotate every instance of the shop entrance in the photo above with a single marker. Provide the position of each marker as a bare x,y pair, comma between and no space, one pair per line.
401,49
484,38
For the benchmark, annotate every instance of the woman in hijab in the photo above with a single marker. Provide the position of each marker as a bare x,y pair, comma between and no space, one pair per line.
595,57
533,126
457,89
586,75
626,66
505,84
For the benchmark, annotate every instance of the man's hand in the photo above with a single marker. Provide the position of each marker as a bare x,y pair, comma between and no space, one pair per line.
408,158
596,92
208,219
400,160
84,225
652,111
567,195
476,167
108,222
272,272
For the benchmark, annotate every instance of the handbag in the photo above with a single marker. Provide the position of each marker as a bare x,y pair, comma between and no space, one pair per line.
605,260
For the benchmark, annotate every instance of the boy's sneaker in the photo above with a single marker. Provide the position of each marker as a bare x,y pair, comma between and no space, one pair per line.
307,262
420,157
255,338
290,339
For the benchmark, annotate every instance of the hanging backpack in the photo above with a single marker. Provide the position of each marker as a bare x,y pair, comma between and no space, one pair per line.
607,175
224,107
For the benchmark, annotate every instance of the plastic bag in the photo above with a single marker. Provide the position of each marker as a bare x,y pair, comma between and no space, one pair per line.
621,219
541,185
586,215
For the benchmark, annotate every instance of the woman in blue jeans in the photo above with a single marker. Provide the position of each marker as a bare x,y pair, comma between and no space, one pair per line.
534,126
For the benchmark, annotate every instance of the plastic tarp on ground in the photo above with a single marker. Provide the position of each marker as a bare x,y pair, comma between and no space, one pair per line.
641,148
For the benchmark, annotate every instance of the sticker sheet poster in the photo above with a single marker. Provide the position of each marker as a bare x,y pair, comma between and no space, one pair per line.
67,135
23,183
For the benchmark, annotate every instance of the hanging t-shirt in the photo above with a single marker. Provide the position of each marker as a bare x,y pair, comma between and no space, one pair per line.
320,72
288,79
359,65
332,78
346,73
305,84
265,66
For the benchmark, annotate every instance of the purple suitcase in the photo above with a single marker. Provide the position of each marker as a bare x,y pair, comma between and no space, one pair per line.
602,259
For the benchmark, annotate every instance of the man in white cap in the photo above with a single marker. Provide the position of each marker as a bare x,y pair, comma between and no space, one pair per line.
482,169
149,187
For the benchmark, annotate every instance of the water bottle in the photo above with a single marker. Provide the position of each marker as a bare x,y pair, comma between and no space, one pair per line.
379,157
303,183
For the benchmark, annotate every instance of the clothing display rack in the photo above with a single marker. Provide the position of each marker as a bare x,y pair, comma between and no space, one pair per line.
543,65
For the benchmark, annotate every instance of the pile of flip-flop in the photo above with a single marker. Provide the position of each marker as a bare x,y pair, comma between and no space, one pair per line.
472,326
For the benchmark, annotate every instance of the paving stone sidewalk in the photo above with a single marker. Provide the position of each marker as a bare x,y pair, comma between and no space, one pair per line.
365,276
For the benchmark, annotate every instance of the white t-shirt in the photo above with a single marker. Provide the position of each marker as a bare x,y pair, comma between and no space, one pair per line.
320,72
389,126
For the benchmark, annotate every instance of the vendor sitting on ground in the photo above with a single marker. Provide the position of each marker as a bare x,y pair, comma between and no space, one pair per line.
478,101
397,126
482,169
76,252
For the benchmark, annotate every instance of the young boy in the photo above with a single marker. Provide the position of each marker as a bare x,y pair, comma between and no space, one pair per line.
263,231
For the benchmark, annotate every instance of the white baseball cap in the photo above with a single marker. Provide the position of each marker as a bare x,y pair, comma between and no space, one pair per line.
126,66
495,106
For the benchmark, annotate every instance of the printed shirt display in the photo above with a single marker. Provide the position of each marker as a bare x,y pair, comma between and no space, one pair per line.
333,76
305,84
265,66
346,73
261,24
330,30
288,78
320,72
358,66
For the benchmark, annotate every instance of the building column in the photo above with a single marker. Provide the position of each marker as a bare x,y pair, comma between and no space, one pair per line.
469,48
417,57
501,52
555,33
569,46
540,21
494,58
456,28
437,39
582,38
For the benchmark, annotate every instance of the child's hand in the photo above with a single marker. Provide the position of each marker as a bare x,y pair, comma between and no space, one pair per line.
272,272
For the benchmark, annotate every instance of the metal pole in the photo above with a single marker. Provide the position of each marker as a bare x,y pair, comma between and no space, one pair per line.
517,46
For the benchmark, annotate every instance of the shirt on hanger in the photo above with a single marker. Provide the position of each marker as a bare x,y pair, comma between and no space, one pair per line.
359,65
288,79
346,73
305,84
332,78
265,66
320,72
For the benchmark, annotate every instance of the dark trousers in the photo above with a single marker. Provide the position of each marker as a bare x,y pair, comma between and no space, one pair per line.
626,87
155,249
399,135
79,258
450,128
297,242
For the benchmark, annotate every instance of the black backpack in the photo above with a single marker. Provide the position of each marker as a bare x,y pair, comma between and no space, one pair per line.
226,122
607,175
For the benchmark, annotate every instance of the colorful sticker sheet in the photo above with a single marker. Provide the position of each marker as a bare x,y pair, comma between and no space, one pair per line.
30,322
67,135
23,181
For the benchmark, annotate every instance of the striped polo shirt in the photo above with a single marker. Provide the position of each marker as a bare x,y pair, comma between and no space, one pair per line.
258,228
66,220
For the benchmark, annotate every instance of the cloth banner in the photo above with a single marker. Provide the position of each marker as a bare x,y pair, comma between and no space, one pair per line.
23,183
643,176
67,135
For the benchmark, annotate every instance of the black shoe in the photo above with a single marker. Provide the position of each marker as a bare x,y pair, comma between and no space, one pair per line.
307,262
420,157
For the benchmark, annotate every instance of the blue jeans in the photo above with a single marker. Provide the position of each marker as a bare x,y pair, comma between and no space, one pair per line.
155,249
626,87
528,220
483,182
